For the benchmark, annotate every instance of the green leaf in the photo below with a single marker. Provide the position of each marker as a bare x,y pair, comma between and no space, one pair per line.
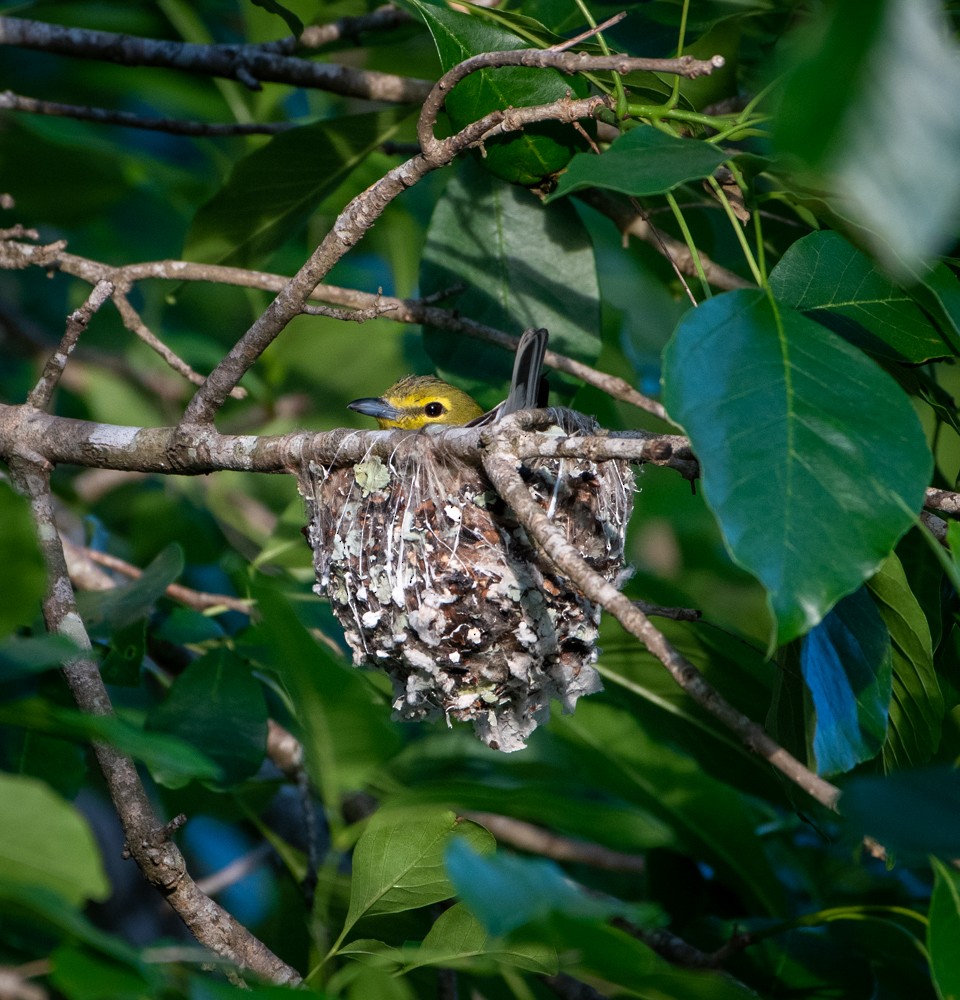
217,706
165,754
813,460
825,275
938,291
78,975
538,150
35,654
847,666
458,940
271,192
916,709
23,580
870,109
105,611
913,813
521,266
398,861
505,892
643,162
345,726
943,930
614,754
44,841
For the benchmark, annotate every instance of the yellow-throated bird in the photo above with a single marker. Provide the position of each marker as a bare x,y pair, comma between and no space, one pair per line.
418,400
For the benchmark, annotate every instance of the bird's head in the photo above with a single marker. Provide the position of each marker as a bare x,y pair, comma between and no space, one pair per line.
416,401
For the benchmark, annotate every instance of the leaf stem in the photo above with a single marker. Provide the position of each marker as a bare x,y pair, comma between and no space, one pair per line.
738,230
688,239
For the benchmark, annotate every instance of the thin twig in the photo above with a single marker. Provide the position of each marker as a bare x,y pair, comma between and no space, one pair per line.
104,116
537,840
77,321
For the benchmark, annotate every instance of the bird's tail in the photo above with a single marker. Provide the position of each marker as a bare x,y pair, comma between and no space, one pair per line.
526,383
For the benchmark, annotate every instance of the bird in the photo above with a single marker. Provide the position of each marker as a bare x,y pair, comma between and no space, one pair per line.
420,400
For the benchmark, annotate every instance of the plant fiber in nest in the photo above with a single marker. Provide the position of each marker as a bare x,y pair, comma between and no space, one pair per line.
436,583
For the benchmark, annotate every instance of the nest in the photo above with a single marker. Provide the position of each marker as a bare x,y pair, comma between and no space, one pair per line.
437,584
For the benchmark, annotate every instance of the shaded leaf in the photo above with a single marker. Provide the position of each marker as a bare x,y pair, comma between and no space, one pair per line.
270,193
105,611
21,657
813,460
913,813
847,666
217,706
916,709
345,724
505,892
45,842
166,754
825,275
458,939
520,266
943,930
644,161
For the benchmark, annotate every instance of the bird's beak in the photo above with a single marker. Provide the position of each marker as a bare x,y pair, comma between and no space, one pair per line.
378,408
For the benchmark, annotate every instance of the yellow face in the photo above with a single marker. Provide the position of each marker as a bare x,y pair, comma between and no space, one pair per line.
416,401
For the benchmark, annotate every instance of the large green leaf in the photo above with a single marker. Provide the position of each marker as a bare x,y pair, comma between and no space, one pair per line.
217,706
44,841
943,930
398,861
520,266
812,458
847,665
270,193
540,149
643,162
870,108
824,274
916,708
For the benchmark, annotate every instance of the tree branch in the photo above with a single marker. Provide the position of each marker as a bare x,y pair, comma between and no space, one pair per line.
147,839
249,64
500,461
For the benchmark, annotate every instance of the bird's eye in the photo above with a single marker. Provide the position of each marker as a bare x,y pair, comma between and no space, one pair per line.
433,409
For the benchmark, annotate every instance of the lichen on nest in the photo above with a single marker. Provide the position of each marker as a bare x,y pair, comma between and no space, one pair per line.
437,584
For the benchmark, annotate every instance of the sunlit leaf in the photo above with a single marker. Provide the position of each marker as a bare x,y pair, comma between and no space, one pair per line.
645,161
824,275
398,861
44,841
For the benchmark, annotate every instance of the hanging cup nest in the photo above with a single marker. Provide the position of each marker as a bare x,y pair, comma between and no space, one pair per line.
437,584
